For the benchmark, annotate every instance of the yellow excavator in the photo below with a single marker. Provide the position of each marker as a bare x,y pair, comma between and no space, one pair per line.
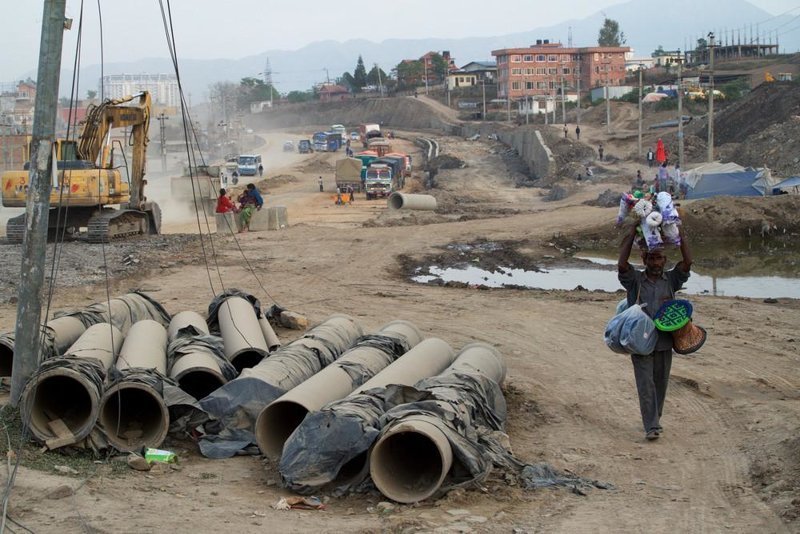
88,179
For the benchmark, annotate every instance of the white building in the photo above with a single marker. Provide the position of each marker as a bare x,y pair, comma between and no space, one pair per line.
163,88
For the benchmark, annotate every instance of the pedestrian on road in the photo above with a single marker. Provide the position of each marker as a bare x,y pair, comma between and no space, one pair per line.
351,195
319,181
638,184
339,197
663,176
651,157
250,201
578,132
600,151
652,287
566,132
260,170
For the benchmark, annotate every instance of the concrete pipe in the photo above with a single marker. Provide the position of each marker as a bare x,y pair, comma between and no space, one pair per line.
244,341
132,412
412,457
277,421
182,320
63,401
63,332
198,374
273,343
428,358
411,460
405,201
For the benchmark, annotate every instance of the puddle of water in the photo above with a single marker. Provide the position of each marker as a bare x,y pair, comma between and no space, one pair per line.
568,278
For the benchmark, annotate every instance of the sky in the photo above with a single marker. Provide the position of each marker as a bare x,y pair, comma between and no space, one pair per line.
238,28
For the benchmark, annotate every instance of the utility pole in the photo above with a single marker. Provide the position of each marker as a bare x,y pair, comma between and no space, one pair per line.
578,119
608,101
640,109
710,156
553,94
563,99
27,331
162,128
483,92
680,110
380,80
425,65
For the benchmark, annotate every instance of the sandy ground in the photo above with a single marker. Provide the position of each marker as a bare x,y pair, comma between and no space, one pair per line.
727,462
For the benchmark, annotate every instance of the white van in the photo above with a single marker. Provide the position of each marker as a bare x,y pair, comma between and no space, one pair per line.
338,128
248,164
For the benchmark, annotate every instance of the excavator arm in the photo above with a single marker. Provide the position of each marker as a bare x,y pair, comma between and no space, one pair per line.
119,113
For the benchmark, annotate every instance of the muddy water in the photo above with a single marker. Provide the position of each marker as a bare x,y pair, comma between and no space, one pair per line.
743,269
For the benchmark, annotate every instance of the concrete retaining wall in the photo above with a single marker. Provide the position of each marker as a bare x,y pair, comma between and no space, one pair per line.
527,141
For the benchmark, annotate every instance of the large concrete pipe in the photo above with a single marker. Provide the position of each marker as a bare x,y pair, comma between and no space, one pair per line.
194,365
405,201
185,319
60,333
132,412
273,343
277,421
412,457
245,345
64,398
315,455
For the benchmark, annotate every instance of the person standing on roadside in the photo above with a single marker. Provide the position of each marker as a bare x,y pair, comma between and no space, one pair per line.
651,157
319,181
250,201
663,176
566,132
651,288
600,151
578,132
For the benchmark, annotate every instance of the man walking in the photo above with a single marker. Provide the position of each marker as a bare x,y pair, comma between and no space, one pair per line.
651,157
651,288
578,132
319,181
600,151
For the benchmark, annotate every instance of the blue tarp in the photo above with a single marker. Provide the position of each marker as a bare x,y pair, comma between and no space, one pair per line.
786,185
735,184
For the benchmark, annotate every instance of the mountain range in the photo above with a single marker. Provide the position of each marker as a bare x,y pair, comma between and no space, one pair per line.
647,24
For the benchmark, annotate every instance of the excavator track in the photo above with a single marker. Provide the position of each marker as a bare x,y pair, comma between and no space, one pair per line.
112,224
15,229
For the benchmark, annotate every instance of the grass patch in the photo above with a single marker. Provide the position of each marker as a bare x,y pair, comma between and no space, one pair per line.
84,462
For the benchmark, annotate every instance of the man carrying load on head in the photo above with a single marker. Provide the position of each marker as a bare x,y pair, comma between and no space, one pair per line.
651,288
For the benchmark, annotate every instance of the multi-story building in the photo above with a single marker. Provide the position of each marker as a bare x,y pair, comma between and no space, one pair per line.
163,88
539,70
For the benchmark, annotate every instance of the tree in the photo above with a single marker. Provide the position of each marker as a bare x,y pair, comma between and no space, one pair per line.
348,81
254,90
360,74
440,67
609,34
376,76
299,96
409,73
658,52
91,95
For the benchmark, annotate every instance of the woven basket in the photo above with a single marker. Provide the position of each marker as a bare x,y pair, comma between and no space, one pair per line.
689,338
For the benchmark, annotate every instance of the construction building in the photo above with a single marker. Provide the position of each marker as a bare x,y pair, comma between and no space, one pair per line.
163,88
539,70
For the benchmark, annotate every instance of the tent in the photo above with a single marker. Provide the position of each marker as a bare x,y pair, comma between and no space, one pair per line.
790,185
654,97
738,183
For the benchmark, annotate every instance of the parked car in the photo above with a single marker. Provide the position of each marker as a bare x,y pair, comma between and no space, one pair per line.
354,136
288,146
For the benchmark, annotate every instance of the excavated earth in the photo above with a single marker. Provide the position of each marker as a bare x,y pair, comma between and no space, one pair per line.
728,459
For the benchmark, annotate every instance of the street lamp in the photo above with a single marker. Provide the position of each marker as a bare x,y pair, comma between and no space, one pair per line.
641,68
680,109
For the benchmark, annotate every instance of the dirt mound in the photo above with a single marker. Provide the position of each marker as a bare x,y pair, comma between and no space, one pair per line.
777,147
446,161
273,181
607,199
317,166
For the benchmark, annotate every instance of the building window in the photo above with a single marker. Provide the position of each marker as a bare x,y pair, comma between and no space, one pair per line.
529,86
515,58
515,86
552,71
541,85
516,72
565,70
541,70
527,57
596,56
552,57
540,57
564,57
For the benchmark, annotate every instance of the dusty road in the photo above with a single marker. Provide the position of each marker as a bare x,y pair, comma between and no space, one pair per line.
728,460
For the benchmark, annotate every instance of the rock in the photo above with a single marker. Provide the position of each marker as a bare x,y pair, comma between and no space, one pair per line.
138,463
60,492
770,301
293,320
65,469
457,512
476,519
385,507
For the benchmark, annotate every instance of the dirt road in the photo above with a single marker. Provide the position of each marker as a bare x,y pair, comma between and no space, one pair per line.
727,462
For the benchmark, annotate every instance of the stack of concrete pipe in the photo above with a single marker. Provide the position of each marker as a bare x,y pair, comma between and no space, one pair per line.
279,419
242,333
412,457
63,398
194,367
356,419
132,412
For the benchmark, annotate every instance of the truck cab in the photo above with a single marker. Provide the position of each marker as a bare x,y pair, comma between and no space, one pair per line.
378,182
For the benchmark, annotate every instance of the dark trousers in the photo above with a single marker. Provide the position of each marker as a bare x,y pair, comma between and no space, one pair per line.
652,376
